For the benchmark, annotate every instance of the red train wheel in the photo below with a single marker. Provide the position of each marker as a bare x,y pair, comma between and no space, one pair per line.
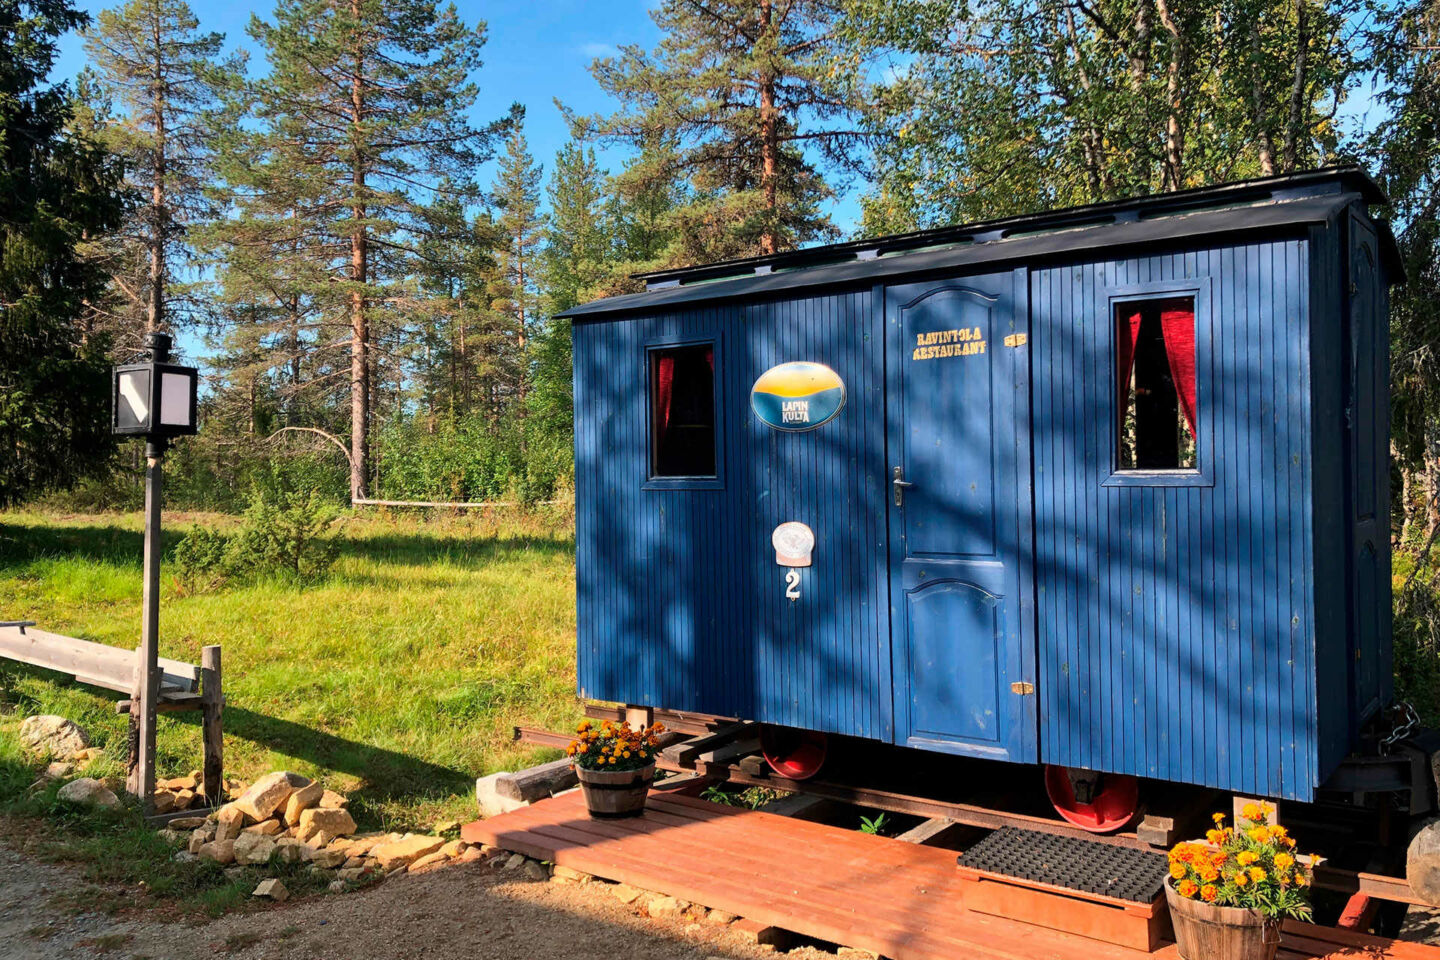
1098,802
793,754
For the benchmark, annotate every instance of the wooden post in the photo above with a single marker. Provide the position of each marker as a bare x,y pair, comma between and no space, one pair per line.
212,703
639,717
141,781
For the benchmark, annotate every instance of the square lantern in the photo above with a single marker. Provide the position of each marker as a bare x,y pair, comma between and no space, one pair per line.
155,400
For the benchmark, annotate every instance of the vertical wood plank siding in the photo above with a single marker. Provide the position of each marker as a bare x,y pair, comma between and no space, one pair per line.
680,602
1176,634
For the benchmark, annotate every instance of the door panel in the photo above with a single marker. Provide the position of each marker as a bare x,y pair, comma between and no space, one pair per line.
960,551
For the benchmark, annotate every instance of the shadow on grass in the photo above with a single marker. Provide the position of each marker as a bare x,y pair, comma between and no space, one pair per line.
23,543
477,550
384,774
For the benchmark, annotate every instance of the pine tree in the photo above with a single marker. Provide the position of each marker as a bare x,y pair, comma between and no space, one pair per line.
577,246
56,188
273,277
364,114
513,291
578,256
169,81
743,89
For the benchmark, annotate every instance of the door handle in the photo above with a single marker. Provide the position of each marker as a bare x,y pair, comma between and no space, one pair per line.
900,484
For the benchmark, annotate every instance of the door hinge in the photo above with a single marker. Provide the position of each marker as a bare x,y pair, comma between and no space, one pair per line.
1016,339
1022,687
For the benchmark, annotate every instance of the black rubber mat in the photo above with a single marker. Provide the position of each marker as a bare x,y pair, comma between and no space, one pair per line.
1071,862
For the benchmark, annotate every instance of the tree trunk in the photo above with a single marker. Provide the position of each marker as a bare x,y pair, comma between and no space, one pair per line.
520,317
1140,61
769,137
1092,140
1432,479
1407,493
1262,127
1173,177
1288,157
359,328
155,312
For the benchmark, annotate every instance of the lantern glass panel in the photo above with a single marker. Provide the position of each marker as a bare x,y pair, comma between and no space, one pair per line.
132,410
175,395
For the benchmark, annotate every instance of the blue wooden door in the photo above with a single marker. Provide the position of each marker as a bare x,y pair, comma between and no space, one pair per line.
957,443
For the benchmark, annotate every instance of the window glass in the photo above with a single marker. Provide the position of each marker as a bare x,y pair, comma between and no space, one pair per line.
1155,375
682,411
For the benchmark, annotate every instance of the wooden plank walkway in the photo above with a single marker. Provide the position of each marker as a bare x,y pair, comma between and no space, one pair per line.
896,899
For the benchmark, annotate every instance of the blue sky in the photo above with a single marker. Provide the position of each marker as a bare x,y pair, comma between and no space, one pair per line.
537,51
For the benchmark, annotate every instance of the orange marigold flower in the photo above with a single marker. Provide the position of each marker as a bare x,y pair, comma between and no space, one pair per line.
1258,834
1218,817
1187,888
1241,880
1284,861
1178,871
1301,880
1209,873
1246,857
1251,811
1257,874
1208,893
1212,835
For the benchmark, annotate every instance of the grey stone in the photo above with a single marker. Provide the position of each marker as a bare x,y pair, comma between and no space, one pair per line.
90,791
49,735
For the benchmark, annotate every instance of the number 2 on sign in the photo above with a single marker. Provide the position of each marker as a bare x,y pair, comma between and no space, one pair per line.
792,584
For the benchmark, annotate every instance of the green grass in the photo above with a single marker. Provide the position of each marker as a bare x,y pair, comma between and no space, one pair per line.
396,679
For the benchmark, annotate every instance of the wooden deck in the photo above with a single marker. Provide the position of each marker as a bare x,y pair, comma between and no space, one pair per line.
896,899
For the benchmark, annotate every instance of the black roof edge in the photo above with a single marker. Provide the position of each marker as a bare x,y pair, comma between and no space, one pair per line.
1219,224
1345,178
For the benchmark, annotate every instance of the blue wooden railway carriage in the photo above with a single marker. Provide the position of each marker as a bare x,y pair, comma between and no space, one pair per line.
1104,489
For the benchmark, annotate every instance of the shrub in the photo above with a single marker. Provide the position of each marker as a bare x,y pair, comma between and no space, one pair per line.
285,532
199,558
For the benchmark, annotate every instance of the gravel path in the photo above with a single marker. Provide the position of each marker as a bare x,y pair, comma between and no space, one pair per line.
464,910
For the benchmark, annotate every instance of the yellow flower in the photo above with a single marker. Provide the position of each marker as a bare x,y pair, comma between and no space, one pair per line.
1301,880
1241,880
1177,870
1247,857
1284,861
626,754
1251,811
1218,817
1258,834
1257,874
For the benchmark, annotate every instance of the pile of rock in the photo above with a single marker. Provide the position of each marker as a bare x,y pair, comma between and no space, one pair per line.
293,819
64,742
182,793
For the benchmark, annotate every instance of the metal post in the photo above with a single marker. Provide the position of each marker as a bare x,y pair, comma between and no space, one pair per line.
147,679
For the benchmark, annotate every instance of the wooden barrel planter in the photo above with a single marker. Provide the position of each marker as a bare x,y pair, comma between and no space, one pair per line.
612,795
1204,931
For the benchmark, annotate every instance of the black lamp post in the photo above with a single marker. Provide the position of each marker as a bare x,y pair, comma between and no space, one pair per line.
155,400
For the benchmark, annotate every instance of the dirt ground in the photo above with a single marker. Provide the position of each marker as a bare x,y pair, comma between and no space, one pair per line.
466,910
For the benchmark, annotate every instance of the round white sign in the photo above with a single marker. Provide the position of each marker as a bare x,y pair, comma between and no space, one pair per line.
793,542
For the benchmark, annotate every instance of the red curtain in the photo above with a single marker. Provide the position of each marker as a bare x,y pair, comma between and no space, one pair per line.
664,390
1127,334
1177,324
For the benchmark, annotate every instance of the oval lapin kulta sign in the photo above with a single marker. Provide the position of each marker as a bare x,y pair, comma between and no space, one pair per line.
798,395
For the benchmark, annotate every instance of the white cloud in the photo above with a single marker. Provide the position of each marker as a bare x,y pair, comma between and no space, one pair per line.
598,49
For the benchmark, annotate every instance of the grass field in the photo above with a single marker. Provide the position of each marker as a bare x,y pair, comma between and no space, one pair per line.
397,679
